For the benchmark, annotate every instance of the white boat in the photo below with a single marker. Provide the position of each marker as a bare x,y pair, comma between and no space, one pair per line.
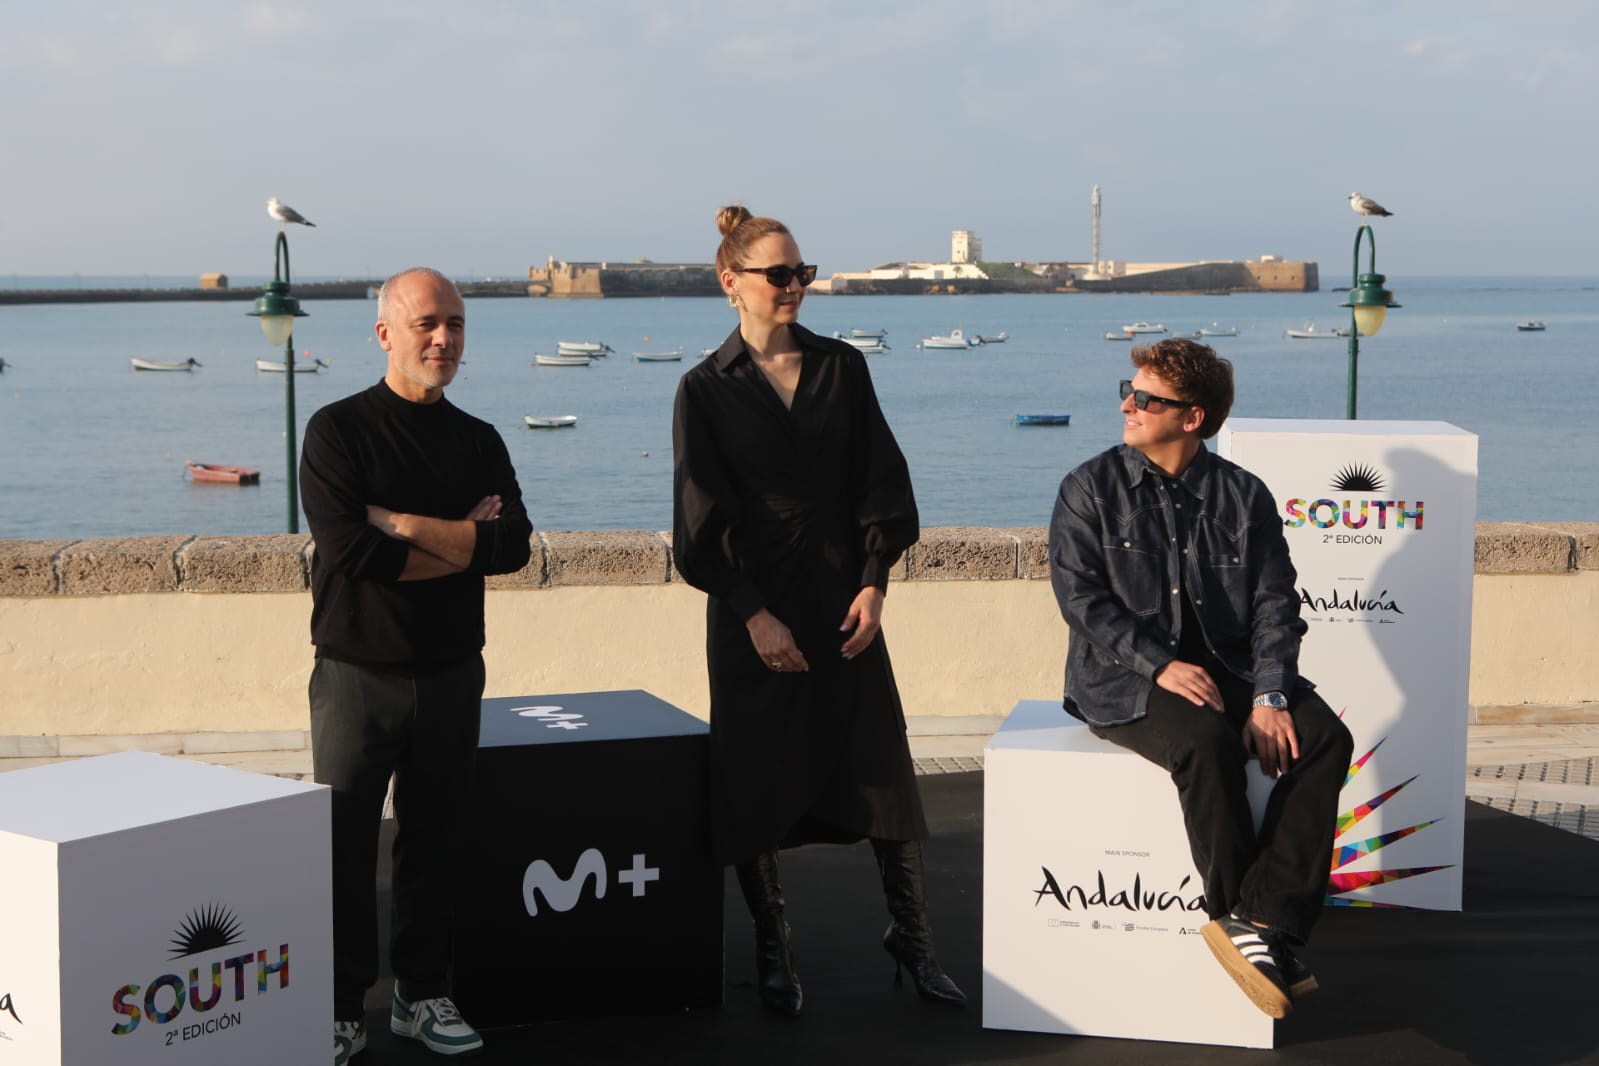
1112,335
1311,333
955,339
1143,327
867,334
659,357
560,360
1532,326
158,364
549,421
998,338
706,353
594,349
874,348
1215,330
865,344
270,366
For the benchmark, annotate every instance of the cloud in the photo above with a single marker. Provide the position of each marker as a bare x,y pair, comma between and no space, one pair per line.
276,21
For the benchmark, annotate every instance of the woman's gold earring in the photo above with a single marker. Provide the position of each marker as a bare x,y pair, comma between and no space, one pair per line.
732,300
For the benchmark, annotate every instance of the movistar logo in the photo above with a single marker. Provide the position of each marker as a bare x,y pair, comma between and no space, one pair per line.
563,893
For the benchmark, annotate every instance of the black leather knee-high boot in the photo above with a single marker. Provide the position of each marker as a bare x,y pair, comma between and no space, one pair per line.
774,957
909,938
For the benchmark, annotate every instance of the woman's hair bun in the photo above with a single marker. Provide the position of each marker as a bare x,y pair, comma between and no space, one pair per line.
729,218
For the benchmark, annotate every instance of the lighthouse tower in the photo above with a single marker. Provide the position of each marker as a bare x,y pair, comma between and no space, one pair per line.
1094,257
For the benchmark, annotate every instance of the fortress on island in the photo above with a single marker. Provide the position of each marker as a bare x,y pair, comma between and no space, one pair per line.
965,272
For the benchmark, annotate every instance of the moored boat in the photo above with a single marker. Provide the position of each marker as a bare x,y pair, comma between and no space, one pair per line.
1112,335
991,338
560,360
220,474
271,366
1134,329
1310,332
161,364
594,349
1532,326
954,339
867,334
659,357
1056,419
865,344
549,421
1216,330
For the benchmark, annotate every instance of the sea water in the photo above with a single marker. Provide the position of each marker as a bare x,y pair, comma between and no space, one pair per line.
91,448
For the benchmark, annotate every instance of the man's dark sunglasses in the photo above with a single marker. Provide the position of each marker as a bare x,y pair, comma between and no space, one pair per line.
1141,399
781,275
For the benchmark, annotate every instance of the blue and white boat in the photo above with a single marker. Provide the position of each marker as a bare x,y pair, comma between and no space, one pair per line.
1058,419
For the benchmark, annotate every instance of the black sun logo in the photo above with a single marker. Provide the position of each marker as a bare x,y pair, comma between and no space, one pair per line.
211,926
1358,479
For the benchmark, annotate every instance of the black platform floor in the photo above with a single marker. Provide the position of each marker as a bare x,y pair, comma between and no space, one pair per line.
1512,981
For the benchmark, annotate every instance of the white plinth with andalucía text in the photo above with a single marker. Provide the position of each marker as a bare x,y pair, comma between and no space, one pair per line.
1092,909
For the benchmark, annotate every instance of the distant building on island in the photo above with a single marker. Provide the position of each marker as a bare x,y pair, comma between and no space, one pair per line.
564,280
964,247
213,281
965,272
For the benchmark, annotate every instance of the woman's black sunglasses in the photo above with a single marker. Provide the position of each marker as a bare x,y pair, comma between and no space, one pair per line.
1141,399
781,275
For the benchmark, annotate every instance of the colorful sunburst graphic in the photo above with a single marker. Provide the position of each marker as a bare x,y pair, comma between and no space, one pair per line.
212,926
1339,884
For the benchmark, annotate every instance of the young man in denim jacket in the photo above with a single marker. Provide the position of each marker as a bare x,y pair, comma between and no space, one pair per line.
1170,567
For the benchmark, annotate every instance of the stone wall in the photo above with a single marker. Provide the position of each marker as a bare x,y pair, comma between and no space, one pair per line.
189,639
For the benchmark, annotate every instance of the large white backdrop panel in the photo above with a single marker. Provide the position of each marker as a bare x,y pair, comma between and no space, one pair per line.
1380,519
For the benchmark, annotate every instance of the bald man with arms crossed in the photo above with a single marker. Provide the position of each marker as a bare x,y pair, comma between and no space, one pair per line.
411,502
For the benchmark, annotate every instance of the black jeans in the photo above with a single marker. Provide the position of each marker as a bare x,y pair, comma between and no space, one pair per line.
1279,875
365,726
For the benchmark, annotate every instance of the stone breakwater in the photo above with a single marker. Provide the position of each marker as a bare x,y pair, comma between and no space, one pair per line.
282,562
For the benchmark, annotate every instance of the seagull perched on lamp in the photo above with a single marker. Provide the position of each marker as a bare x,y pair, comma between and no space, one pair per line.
1364,205
284,214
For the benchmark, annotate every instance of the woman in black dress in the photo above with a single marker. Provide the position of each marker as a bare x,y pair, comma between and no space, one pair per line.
792,501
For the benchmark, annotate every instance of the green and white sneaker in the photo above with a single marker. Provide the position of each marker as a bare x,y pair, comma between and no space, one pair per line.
436,1023
349,1040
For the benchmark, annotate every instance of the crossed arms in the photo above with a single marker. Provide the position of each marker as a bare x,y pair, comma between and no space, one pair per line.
438,546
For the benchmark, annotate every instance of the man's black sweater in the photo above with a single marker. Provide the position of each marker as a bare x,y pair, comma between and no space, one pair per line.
425,459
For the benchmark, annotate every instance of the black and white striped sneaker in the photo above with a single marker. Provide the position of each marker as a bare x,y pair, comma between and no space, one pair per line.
1242,949
1296,975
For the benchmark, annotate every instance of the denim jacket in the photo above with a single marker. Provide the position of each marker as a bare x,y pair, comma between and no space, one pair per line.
1113,560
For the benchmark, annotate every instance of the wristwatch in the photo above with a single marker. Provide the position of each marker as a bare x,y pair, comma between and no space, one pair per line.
1275,700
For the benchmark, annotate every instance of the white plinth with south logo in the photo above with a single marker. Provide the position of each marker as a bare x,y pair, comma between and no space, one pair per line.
1380,519
159,910
1092,909
588,884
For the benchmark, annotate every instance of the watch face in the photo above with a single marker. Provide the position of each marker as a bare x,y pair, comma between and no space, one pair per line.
1275,700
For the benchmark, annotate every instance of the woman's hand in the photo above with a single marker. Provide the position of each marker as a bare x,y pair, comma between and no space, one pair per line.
865,617
775,644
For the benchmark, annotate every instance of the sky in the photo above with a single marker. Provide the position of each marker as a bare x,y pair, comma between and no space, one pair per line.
485,137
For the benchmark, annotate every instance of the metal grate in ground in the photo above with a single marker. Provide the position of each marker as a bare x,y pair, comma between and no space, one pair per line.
1573,817
947,764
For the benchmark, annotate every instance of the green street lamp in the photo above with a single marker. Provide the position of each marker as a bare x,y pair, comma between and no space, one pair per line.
277,311
1368,305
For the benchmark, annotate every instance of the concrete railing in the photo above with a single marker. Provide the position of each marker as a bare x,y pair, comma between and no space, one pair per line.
198,644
